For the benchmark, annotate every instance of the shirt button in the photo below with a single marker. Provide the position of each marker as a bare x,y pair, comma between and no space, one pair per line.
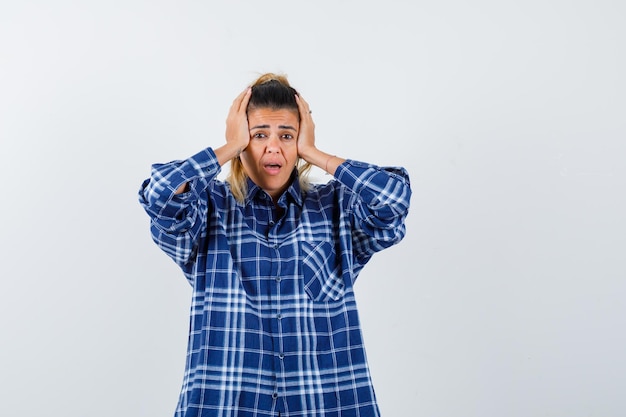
281,356
279,316
278,279
272,222
275,395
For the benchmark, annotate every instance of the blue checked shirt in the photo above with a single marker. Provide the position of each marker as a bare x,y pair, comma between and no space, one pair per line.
274,325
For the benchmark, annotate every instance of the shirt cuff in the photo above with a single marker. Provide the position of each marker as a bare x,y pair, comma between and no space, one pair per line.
198,171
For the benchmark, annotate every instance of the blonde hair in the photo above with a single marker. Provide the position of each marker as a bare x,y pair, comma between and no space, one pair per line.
268,91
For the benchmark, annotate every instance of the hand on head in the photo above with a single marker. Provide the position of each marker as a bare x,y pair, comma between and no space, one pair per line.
237,131
306,135
237,128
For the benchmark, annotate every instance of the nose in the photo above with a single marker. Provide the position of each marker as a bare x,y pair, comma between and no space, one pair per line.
273,144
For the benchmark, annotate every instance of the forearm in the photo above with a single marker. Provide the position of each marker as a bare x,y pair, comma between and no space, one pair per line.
169,179
224,154
381,198
322,160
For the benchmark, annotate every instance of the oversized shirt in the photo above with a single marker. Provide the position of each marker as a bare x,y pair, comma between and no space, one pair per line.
273,323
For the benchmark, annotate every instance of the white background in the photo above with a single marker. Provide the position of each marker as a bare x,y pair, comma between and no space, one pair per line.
506,298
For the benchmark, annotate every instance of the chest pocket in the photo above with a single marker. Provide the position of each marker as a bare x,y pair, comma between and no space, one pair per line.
321,271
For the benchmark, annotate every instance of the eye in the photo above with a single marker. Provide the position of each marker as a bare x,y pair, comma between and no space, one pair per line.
287,136
259,135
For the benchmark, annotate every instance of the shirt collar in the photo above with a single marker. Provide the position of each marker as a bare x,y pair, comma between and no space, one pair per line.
293,192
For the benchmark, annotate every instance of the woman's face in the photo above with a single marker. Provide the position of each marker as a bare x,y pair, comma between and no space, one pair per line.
272,152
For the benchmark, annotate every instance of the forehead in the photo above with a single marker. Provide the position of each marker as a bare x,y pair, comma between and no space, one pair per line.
270,117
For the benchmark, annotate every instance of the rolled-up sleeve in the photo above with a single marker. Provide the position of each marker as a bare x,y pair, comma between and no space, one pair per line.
177,219
378,203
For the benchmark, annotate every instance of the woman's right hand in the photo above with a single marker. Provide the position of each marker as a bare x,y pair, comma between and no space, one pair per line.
237,131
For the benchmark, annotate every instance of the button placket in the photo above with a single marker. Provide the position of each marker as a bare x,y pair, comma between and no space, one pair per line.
278,316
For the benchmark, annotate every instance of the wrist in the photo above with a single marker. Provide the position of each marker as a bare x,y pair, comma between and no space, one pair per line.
327,161
308,154
228,151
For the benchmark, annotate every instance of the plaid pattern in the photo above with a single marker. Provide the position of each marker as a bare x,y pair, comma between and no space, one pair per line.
274,325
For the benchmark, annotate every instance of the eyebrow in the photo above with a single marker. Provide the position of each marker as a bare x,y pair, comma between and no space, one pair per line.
268,126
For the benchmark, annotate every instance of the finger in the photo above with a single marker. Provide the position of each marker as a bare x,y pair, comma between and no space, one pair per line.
243,105
239,97
303,106
239,100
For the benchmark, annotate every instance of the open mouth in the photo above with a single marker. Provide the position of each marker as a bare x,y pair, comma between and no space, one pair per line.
272,168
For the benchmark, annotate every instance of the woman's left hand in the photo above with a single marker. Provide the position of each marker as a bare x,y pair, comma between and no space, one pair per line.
306,135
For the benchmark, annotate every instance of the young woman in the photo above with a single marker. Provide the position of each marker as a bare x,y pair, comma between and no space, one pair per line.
272,260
